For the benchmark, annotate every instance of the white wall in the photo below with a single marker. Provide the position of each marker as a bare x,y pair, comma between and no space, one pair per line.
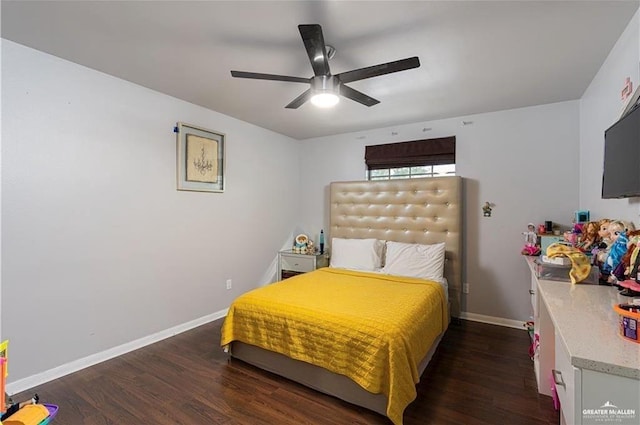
99,249
600,107
98,246
525,161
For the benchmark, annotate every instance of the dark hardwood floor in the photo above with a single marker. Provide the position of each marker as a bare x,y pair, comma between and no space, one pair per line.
481,374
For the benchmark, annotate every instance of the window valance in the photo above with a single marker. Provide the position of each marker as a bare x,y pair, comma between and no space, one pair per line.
413,153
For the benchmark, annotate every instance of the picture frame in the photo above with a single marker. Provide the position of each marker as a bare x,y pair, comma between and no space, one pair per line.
200,155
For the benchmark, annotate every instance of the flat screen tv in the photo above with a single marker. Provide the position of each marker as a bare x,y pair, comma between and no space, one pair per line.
621,173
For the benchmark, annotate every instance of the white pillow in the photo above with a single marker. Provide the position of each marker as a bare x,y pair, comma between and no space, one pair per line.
356,254
415,260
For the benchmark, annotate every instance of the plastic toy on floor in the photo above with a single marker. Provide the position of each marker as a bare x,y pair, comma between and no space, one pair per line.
11,408
32,414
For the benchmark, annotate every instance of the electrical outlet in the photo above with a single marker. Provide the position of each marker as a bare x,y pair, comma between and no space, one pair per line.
229,283
465,288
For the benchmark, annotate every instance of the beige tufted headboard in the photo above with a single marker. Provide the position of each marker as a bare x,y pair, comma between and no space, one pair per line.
424,211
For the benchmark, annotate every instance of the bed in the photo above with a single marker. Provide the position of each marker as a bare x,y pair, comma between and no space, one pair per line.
340,361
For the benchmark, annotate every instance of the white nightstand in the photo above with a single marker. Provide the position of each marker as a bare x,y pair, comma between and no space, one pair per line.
291,264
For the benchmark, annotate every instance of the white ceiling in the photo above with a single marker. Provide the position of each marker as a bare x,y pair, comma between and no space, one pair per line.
476,56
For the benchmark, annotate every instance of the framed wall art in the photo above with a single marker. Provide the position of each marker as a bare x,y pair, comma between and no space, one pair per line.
200,159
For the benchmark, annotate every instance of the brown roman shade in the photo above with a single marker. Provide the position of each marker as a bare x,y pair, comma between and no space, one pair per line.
413,153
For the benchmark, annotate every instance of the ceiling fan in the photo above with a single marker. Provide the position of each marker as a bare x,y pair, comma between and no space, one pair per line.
325,87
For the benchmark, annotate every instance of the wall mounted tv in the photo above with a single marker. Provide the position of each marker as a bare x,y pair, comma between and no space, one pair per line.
621,174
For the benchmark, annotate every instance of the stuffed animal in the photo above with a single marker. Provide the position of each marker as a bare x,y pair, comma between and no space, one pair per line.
311,249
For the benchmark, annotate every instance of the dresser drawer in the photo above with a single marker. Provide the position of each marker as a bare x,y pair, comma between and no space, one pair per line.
533,291
567,380
298,263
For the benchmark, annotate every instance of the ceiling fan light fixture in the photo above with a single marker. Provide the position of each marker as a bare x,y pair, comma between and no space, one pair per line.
325,100
325,91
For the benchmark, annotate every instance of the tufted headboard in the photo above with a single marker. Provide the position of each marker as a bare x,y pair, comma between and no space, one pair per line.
425,211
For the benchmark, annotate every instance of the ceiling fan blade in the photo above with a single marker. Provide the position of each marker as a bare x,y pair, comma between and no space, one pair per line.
314,43
374,71
357,96
258,76
298,101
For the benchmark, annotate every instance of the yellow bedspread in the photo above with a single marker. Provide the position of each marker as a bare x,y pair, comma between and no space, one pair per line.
372,328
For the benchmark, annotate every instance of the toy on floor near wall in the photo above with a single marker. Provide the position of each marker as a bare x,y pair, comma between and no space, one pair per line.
3,367
530,241
11,407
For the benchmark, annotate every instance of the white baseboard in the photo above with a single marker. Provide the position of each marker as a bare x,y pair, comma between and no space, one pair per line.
76,365
510,323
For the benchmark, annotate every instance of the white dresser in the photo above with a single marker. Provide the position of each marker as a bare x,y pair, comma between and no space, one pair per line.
596,371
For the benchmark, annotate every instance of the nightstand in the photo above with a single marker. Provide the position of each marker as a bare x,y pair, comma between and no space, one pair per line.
291,264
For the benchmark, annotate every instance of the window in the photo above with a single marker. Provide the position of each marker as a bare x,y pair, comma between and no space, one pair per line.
412,172
406,160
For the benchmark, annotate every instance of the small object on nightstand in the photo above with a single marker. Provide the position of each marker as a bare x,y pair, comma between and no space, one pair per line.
300,243
321,241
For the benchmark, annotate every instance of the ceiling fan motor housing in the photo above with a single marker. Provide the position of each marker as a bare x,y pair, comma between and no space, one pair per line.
325,84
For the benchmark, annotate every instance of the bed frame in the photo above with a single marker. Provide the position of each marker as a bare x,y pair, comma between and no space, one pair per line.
425,211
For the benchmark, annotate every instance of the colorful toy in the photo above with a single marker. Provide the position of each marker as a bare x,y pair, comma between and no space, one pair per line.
603,229
601,250
28,414
617,250
573,236
623,270
589,238
3,368
12,408
530,241
530,250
